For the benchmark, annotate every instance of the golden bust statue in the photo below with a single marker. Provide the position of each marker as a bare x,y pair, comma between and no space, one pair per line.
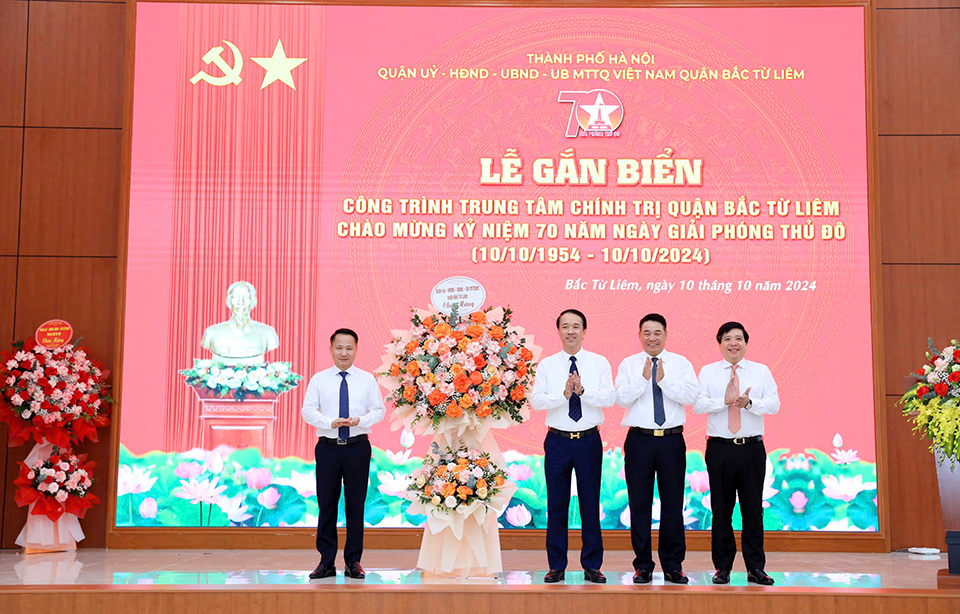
240,340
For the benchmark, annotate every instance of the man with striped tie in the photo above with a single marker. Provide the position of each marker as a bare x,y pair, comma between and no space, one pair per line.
736,393
573,386
343,402
653,387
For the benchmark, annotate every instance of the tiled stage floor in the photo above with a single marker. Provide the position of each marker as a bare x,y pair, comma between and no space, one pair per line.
211,568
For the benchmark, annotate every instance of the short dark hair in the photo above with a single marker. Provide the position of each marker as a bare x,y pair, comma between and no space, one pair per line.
344,331
729,326
654,317
575,312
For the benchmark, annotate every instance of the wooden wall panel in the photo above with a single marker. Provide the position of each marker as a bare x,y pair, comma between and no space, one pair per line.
916,306
912,479
918,82
75,65
920,174
907,4
13,61
71,192
8,284
11,150
81,291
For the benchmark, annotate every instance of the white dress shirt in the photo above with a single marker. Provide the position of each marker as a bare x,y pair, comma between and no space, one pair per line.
713,388
321,404
596,377
635,393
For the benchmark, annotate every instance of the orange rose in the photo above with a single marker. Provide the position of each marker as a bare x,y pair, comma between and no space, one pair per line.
409,393
463,461
526,354
479,361
479,317
486,389
430,377
496,332
482,462
457,334
476,378
436,397
518,393
442,330
495,380
428,490
461,383
466,402
413,368
513,350
454,411
484,410
499,480
457,370
394,370
481,483
429,323
441,471
448,489
474,331
411,346
443,350
463,343
522,370
463,492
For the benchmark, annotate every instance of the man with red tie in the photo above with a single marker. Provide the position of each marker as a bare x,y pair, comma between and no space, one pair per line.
736,393
573,386
342,402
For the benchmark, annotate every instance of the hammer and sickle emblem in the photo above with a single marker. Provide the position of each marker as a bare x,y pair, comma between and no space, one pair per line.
231,74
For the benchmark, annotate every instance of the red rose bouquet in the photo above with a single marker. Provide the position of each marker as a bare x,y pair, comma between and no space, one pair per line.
60,395
58,485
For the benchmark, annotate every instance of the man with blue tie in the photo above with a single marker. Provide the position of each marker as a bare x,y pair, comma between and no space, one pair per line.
343,402
653,387
573,386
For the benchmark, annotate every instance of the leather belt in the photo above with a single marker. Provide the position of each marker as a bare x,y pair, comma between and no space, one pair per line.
334,441
574,434
658,432
739,441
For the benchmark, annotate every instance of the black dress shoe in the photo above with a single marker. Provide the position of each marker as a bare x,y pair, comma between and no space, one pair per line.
354,570
722,576
594,575
760,577
554,575
676,577
642,576
323,571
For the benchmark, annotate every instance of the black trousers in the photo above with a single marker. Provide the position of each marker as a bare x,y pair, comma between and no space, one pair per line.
736,471
562,458
646,457
347,466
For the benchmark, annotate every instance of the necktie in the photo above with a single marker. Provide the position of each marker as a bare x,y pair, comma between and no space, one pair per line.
344,432
658,414
733,413
576,411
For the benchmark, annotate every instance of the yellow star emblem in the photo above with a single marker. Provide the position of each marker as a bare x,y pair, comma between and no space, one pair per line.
279,67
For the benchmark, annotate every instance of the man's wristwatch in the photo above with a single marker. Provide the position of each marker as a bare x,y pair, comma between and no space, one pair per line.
749,405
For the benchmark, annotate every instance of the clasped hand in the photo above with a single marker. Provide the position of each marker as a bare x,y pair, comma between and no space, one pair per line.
573,385
648,370
733,396
344,422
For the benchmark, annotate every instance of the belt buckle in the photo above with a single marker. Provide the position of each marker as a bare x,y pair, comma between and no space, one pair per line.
658,432
341,442
575,435
739,440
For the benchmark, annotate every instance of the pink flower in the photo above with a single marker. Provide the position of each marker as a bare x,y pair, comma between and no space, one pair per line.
185,471
844,488
519,515
269,498
259,477
518,472
207,491
845,457
61,496
699,481
133,479
148,508
798,500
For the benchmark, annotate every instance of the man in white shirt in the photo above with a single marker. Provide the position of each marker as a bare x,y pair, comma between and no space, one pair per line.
343,402
735,394
653,387
573,386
